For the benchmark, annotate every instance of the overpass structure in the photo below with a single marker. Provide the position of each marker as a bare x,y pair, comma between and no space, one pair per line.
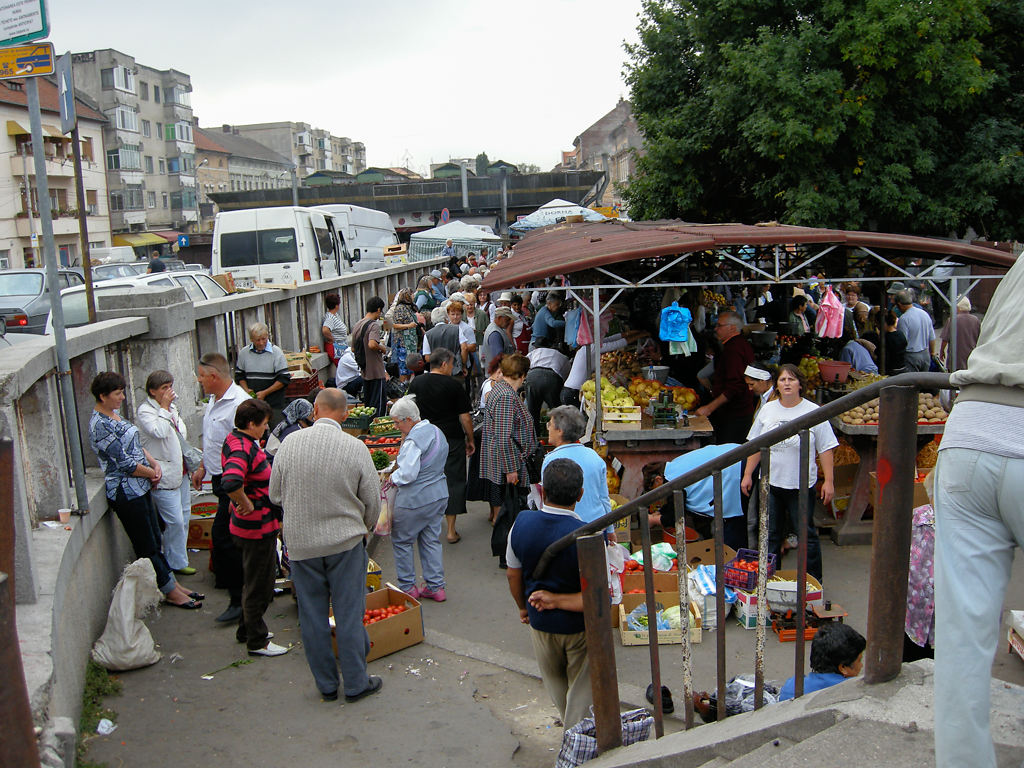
417,205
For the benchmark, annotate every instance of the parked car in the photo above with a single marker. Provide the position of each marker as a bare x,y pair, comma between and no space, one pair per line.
198,287
124,269
24,303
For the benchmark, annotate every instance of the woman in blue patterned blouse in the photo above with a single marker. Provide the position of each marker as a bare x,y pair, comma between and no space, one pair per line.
129,474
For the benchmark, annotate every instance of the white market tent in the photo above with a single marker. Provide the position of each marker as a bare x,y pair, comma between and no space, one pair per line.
551,213
465,238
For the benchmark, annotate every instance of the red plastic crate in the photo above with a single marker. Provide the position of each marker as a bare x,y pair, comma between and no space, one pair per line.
746,580
302,387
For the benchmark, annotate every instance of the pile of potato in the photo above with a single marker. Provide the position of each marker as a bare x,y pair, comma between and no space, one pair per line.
929,409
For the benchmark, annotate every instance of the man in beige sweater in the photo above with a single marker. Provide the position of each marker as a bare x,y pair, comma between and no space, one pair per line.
326,483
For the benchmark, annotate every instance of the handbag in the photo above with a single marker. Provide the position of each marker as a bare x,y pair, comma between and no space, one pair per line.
506,517
191,455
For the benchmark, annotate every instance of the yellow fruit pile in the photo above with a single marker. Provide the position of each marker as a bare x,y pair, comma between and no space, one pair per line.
613,483
710,297
611,395
809,368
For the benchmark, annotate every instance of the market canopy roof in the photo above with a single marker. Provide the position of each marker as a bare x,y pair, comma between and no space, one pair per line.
551,213
139,239
455,230
567,248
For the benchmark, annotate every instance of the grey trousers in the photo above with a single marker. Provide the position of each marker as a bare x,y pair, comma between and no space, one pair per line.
422,526
339,581
565,672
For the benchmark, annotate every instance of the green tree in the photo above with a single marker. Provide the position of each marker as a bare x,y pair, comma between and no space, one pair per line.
898,115
481,164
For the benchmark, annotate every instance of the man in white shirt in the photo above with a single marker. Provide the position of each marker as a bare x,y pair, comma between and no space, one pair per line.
347,376
545,380
214,375
916,326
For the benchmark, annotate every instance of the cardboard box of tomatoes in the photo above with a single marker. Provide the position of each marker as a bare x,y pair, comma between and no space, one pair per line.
393,621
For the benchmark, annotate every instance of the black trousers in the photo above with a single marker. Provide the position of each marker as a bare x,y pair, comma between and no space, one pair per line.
227,558
141,523
259,565
455,475
373,395
731,429
543,387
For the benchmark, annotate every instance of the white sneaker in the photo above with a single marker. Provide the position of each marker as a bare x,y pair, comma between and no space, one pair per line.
271,649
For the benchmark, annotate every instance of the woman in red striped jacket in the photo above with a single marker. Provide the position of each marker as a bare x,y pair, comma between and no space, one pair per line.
254,522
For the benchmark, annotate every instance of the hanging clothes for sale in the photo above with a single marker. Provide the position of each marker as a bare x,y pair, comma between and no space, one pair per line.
829,323
572,326
684,348
675,322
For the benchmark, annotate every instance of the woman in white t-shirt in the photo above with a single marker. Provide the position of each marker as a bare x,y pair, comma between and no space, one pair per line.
784,470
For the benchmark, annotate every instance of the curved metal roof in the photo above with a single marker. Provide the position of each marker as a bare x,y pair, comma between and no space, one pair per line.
568,248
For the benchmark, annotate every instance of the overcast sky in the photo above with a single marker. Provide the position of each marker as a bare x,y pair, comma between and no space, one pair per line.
416,82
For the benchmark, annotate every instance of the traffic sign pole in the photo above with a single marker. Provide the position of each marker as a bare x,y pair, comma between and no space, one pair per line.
56,308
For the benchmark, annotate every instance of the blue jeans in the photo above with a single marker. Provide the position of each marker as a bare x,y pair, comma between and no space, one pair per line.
420,525
174,506
786,501
337,581
979,520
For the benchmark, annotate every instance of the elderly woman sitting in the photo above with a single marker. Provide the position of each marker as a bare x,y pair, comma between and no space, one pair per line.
420,502
566,426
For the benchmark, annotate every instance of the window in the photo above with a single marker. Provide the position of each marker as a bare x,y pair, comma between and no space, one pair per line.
151,199
190,286
116,200
126,158
121,78
159,130
162,165
178,95
188,164
164,196
5,259
86,147
125,119
156,94
143,90
268,246
146,128
113,159
149,164
186,199
133,198
92,205
173,164
178,131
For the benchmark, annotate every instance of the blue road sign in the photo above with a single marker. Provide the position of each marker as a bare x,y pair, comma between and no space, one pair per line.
445,215
183,241
66,89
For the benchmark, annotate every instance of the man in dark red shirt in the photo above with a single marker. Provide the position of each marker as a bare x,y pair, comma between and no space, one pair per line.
731,409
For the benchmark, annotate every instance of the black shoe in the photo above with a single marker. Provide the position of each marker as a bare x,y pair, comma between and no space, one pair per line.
233,613
667,707
329,696
375,685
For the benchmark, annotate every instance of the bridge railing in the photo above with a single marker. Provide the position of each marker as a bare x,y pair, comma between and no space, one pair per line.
887,589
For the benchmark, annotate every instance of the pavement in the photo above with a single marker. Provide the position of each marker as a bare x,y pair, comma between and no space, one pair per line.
468,696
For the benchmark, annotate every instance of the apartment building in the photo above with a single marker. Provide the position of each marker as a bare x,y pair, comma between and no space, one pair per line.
149,146
212,174
20,227
309,149
608,145
251,165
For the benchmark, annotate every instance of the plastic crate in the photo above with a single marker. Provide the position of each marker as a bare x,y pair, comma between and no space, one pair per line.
746,580
302,386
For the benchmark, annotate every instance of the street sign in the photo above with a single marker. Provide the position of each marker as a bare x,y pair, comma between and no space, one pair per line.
445,215
66,88
183,241
26,60
22,21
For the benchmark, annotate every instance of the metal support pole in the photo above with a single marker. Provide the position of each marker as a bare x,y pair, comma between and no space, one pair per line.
56,308
7,534
504,201
596,319
17,737
762,576
953,298
720,592
464,174
679,499
83,225
604,684
890,554
295,184
652,622
801,561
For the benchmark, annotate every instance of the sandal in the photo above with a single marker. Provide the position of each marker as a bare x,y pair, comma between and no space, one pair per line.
198,596
191,605
454,539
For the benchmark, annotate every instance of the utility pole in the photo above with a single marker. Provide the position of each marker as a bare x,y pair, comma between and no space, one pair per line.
295,185
28,203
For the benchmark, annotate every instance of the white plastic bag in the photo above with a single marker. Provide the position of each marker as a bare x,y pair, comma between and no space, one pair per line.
126,642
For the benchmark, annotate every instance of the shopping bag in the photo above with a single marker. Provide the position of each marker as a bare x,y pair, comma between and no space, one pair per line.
126,642
506,517
579,743
388,491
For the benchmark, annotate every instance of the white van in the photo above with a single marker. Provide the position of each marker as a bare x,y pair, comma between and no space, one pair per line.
367,233
284,245
115,254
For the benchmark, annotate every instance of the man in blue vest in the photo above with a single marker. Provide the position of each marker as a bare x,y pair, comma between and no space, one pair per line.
552,604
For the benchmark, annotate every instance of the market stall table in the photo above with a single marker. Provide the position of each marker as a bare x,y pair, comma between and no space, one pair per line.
853,529
635,448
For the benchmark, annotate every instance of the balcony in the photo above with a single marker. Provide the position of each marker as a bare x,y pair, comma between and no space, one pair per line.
62,225
130,177
62,168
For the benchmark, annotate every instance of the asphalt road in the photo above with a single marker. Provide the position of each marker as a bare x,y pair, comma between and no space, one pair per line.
468,696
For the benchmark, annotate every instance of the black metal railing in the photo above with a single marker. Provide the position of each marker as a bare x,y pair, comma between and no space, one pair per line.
897,434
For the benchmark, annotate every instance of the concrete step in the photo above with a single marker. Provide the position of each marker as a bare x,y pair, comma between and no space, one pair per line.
715,762
766,754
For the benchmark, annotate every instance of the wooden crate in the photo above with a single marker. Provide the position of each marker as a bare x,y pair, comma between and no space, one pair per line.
622,417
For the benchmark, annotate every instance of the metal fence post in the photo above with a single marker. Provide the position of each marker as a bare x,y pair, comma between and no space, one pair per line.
890,553
652,623
604,683
17,736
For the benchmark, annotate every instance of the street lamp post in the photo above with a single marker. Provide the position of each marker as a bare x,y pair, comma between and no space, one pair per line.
199,215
